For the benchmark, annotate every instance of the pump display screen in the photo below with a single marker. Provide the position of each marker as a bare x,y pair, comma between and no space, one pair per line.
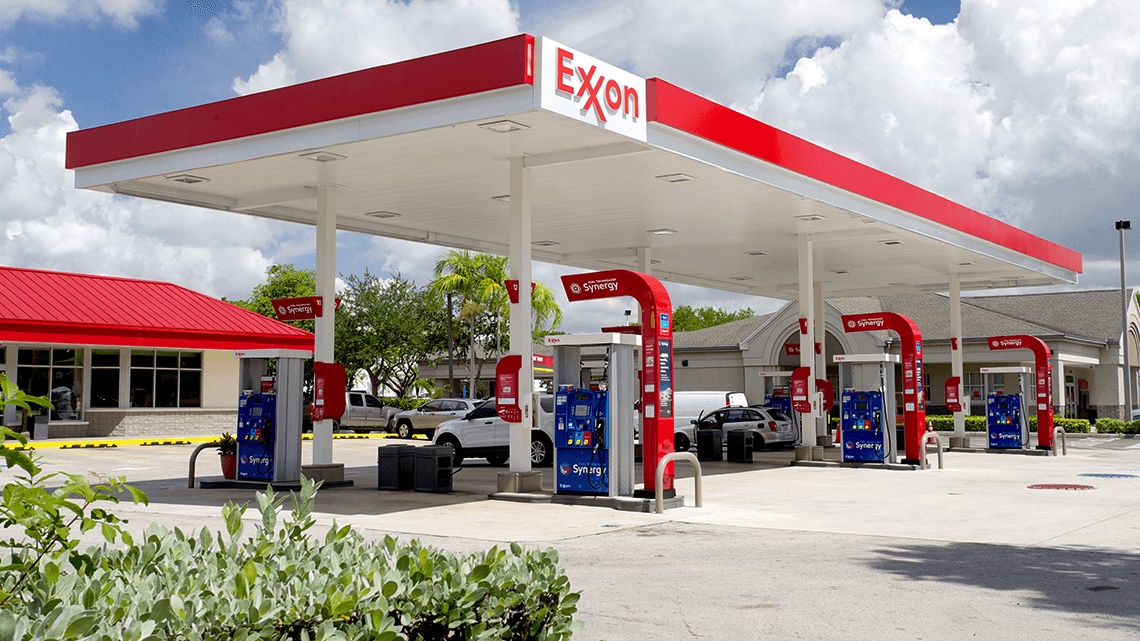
581,411
255,411
861,407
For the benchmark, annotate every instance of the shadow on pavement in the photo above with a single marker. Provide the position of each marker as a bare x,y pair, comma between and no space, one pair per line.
1103,585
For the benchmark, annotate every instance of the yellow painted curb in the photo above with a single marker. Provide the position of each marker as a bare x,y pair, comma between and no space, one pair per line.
152,441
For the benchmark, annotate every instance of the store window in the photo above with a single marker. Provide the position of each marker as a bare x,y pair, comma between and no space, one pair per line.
56,373
166,378
104,378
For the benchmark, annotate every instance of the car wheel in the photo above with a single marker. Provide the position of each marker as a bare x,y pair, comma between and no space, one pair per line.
757,442
541,451
681,443
497,459
404,429
336,427
456,449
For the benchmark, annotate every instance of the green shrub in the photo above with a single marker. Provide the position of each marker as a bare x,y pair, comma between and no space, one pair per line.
1117,426
403,403
284,583
945,423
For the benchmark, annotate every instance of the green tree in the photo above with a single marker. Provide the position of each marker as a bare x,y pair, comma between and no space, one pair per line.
386,327
687,319
477,282
282,281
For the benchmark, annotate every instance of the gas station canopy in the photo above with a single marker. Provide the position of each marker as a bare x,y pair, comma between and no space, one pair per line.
420,150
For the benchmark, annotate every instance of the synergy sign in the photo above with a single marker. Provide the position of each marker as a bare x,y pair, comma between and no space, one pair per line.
582,87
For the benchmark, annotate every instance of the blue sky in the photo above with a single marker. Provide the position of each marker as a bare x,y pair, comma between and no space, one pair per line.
1025,112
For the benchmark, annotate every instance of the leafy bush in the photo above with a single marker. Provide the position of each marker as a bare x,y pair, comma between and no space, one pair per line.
283,583
1117,426
945,423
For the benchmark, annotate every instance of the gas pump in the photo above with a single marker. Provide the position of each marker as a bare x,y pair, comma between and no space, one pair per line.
867,407
594,421
269,415
1006,424
778,395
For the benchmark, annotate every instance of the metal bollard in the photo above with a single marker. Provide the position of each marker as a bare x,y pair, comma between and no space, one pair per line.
1064,444
922,447
194,458
674,456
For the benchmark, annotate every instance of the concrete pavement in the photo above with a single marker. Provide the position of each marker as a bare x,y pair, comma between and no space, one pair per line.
777,551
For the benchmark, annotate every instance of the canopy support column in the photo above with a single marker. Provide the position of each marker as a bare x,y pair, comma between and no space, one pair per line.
520,314
807,345
324,350
956,347
820,338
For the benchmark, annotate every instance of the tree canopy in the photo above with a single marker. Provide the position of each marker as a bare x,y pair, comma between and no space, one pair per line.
687,319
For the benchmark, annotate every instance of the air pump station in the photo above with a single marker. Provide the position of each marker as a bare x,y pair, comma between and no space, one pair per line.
594,420
867,407
269,415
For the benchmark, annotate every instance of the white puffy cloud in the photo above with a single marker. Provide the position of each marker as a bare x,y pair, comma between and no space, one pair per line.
124,14
327,37
46,223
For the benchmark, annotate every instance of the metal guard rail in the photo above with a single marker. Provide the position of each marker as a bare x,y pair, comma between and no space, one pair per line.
927,436
659,506
1064,444
194,458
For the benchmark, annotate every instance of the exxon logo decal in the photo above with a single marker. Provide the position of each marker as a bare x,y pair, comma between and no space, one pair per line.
604,96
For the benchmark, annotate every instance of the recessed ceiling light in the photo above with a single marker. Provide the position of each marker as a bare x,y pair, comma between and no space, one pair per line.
189,179
675,178
811,218
503,126
756,253
323,156
741,278
382,214
505,198
840,271
545,243
654,261
965,264
899,284
891,242
664,231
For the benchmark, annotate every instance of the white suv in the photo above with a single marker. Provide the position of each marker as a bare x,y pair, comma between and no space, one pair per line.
768,426
482,434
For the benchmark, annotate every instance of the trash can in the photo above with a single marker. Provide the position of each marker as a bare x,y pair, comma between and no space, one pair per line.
40,427
739,446
710,444
433,468
396,467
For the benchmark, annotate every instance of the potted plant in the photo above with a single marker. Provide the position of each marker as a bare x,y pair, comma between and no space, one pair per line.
227,450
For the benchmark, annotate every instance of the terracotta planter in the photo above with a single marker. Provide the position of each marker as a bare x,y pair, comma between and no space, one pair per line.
229,465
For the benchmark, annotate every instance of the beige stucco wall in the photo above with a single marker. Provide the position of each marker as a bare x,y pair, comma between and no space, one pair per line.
219,379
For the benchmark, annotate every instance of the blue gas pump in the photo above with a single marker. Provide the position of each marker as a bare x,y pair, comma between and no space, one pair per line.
782,402
1004,421
581,432
256,436
863,425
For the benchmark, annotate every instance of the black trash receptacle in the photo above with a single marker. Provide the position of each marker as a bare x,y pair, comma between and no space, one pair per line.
739,446
900,438
396,465
709,445
433,468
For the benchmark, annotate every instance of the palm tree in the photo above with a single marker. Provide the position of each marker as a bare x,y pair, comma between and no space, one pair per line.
477,280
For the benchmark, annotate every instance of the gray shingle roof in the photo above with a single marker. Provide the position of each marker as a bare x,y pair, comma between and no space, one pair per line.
1093,314
730,334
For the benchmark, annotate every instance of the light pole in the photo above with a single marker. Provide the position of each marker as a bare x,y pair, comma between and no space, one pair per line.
1121,226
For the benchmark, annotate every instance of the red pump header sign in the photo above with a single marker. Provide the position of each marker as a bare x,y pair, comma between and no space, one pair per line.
1044,379
656,356
914,405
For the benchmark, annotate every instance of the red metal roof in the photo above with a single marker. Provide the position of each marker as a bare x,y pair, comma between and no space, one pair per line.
84,309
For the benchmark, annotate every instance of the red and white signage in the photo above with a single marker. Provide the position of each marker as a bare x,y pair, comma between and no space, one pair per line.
301,308
582,87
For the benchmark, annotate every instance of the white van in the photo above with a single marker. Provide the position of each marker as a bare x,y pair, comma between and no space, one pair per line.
689,406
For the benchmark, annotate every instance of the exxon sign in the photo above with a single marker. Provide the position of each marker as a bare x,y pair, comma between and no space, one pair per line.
582,87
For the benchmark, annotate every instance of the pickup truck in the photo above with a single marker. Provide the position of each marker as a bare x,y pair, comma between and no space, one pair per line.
363,412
